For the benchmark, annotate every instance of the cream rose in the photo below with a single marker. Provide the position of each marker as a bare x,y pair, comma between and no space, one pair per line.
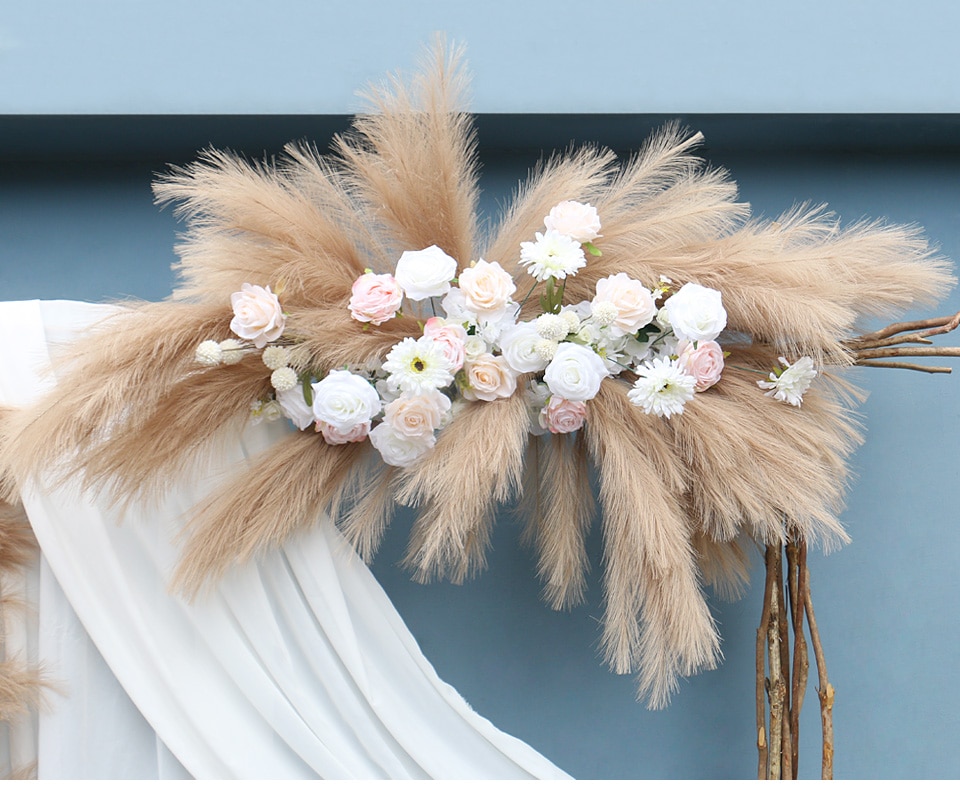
376,298
257,315
704,362
425,273
344,400
489,378
696,313
563,416
634,303
417,415
579,221
486,288
575,372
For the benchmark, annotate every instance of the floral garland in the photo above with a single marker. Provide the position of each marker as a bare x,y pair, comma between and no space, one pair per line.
665,341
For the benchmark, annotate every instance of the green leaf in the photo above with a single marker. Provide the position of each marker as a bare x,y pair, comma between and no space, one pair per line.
592,249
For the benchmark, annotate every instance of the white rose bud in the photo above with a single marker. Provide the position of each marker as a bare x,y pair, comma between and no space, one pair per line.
425,273
575,372
696,313
344,400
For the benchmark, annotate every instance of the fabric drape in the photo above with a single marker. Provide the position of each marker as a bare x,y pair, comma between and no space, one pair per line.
294,666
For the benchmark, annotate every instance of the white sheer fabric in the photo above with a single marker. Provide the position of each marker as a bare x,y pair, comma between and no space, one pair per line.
296,666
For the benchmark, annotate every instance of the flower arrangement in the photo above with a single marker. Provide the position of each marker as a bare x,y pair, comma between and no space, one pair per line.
477,350
649,363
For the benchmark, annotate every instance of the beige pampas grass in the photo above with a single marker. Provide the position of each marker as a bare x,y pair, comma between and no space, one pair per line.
679,498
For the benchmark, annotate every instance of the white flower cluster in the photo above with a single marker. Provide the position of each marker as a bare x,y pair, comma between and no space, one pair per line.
477,349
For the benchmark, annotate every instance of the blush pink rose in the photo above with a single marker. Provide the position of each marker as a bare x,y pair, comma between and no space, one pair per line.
376,298
704,363
257,315
452,338
335,436
486,288
417,416
563,416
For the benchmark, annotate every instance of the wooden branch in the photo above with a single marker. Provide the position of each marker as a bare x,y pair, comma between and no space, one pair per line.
775,686
909,351
930,327
826,691
875,363
761,663
786,745
796,559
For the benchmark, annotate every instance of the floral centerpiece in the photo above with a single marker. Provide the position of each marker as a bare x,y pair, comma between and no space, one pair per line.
428,364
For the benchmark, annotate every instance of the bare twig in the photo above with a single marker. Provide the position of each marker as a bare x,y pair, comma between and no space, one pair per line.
929,327
910,351
826,691
775,685
796,559
875,363
761,663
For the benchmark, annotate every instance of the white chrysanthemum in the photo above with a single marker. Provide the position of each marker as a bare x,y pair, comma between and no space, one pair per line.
552,255
283,379
415,366
232,351
209,353
275,357
551,327
605,313
792,382
662,388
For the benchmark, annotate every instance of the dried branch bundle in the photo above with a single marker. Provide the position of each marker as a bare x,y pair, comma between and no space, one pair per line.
678,498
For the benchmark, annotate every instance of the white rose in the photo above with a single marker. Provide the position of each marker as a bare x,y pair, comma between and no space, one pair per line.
474,347
486,288
425,273
295,408
634,303
454,306
519,347
344,400
579,221
257,315
489,378
696,313
417,415
575,372
397,449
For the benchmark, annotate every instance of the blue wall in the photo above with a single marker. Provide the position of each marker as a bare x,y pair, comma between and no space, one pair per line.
77,221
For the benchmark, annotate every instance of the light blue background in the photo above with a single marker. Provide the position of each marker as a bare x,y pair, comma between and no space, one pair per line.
886,604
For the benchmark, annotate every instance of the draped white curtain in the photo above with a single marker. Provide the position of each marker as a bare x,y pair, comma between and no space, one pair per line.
295,666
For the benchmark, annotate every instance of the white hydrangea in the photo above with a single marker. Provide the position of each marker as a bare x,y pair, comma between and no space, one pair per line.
552,327
605,313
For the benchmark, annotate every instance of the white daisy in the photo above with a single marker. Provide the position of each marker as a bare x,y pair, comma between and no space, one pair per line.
415,366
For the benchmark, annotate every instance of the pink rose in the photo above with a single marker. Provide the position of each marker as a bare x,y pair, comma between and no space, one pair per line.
417,416
257,315
704,363
335,436
489,378
634,303
376,298
563,416
452,338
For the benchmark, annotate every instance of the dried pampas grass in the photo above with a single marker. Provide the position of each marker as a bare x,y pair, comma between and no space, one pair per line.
679,499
